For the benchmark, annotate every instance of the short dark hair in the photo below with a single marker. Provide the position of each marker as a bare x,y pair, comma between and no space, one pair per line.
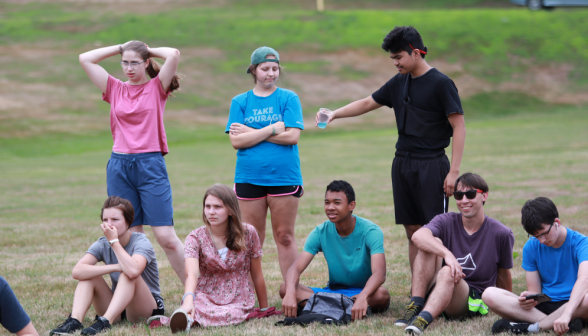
401,38
471,180
537,212
344,186
120,203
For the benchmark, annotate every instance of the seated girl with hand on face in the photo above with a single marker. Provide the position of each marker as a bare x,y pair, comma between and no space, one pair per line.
130,261
219,257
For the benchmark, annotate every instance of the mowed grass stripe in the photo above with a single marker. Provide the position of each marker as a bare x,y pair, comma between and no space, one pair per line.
486,33
50,205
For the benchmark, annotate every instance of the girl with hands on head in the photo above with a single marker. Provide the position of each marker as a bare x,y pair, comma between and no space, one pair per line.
264,127
130,261
220,256
136,170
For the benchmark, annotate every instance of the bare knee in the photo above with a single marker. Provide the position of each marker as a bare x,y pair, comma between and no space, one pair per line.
488,296
283,290
284,238
169,242
124,278
381,299
444,276
584,303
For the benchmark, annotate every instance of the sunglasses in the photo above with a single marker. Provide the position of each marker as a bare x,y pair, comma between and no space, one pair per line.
470,194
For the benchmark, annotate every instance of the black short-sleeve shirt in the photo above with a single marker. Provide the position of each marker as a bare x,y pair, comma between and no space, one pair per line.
433,92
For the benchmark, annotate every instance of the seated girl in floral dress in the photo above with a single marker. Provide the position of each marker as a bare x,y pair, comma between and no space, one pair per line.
219,258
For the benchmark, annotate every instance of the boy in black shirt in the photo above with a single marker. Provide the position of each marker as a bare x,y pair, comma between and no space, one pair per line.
428,113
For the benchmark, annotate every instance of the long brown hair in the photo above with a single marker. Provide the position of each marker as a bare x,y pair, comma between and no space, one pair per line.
236,232
153,68
120,203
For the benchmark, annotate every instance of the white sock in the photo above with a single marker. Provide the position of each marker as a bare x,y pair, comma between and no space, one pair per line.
534,328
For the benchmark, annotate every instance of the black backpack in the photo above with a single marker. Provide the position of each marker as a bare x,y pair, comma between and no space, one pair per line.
326,308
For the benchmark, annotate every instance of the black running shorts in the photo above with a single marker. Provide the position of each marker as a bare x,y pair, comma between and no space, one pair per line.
417,185
249,192
549,307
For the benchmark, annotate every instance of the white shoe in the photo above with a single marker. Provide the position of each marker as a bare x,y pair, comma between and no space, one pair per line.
180,321
162,318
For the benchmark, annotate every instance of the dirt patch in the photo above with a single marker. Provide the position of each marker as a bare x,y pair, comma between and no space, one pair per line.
128,6
74,104
549,82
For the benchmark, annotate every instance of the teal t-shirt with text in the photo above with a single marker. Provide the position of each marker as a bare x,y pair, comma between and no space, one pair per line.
266,163
348,258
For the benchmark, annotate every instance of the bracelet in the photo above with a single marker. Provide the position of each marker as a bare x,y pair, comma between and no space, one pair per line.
190,293
274,130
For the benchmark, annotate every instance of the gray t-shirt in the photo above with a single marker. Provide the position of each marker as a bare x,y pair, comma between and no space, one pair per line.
138,244
480,254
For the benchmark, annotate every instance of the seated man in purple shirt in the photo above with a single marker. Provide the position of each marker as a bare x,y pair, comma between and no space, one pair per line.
460,255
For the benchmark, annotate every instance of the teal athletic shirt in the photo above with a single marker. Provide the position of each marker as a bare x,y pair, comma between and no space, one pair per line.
267,164
348,258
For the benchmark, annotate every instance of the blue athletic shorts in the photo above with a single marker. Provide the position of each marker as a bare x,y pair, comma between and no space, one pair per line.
349,291
142,179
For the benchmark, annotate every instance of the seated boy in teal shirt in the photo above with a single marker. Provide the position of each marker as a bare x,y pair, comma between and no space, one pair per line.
354,250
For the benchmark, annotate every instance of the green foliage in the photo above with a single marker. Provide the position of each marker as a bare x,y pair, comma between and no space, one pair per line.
50,205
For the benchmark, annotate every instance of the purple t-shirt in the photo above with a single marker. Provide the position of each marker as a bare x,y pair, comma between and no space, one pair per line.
480,254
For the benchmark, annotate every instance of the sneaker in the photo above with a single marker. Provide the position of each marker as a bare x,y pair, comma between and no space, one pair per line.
180,321
576,325
417,326
516,328
70,326
100,324
412,310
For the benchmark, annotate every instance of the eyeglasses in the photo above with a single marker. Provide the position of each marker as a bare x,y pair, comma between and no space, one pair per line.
470,194
543,234
133,65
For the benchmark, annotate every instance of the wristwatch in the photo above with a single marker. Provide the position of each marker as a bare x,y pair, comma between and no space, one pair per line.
112,241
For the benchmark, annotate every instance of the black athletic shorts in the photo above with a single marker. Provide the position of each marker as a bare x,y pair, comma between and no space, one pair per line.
549,307
249,192
417,185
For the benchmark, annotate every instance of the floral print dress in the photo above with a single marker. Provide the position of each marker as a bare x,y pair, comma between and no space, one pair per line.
224,295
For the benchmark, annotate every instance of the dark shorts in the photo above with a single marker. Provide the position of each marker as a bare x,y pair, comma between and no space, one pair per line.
417,186
142,179
250,192
549,307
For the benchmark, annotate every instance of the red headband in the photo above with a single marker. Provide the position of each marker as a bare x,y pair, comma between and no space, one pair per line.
422,52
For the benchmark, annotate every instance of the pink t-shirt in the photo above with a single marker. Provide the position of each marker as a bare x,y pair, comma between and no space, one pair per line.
136,116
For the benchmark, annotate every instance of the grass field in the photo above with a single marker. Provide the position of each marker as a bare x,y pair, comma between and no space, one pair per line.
50,205
521,75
